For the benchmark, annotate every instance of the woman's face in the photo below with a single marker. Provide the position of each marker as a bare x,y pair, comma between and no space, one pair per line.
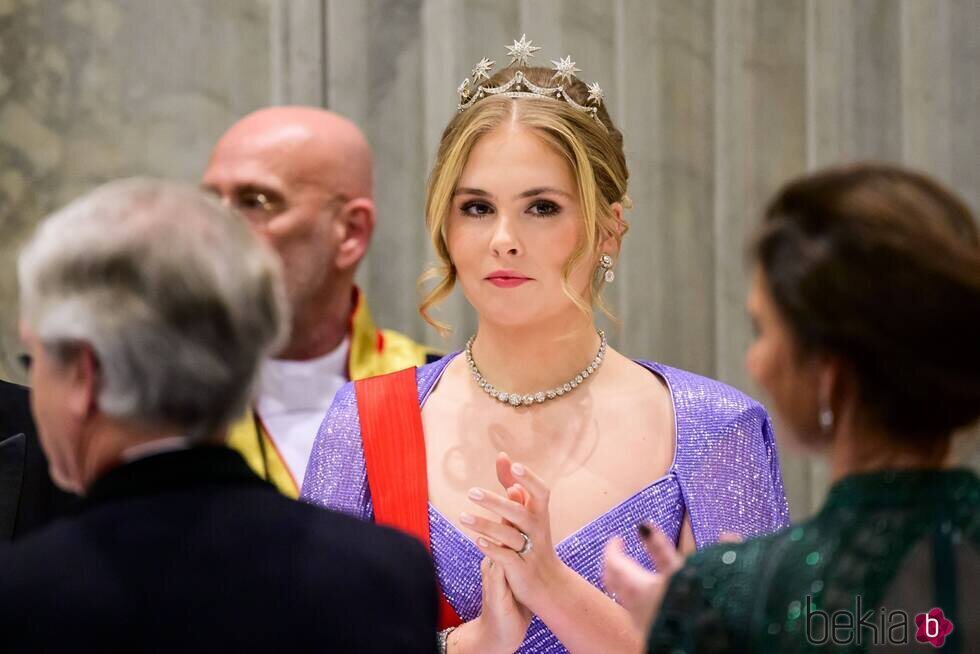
514,221
775,364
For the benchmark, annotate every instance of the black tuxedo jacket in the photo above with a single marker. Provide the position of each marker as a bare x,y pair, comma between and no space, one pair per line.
189,551
28,499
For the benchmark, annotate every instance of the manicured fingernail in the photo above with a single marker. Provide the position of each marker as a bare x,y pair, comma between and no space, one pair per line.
644,529
483,542
467,519
476,494
517,469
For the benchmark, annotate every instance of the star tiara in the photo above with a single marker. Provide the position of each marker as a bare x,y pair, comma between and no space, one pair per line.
519,86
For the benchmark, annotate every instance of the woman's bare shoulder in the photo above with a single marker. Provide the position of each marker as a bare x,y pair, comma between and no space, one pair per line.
626,377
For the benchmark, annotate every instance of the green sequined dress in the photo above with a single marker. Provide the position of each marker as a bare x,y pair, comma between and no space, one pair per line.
885,548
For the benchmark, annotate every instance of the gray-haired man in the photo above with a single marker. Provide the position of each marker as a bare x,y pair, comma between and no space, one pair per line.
147,308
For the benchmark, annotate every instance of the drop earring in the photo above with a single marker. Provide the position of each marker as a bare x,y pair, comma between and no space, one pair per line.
825,417
606,264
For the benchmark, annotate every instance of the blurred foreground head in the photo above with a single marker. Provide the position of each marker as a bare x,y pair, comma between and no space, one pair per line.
146,307
867,302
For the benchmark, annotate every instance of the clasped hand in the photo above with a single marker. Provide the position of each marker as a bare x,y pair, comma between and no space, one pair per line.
512,581
531,566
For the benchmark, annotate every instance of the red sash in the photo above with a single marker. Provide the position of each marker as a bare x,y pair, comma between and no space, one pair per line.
394,455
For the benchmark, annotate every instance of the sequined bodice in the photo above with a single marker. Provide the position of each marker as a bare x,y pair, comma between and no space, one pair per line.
885,545
725,474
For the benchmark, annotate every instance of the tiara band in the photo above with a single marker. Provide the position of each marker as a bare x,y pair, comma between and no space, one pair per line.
519,86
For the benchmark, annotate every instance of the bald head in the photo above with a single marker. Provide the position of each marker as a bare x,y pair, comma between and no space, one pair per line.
302,178
307,144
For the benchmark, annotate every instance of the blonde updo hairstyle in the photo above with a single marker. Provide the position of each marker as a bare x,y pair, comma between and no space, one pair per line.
593,150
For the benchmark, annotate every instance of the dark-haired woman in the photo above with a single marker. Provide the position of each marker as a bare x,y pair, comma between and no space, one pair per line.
866,302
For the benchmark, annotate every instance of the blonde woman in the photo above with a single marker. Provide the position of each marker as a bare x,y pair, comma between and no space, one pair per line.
518,458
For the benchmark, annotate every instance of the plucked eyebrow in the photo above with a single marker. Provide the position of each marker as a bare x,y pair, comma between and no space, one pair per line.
543,190
530,193
463,190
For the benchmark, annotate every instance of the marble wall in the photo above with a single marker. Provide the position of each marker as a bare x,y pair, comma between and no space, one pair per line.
92,90
719,100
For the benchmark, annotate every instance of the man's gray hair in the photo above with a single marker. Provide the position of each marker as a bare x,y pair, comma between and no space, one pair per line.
177,298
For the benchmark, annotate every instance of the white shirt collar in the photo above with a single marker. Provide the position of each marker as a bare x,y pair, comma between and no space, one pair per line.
286,386
157,446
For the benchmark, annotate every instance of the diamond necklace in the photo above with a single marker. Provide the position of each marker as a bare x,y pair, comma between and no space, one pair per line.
516,399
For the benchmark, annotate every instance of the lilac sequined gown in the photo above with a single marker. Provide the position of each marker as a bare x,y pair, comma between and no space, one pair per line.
725,474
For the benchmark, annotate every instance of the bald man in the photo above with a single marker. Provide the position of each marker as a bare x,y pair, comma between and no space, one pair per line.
302,178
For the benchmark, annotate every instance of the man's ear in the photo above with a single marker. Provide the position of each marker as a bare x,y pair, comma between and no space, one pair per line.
356,224
86,379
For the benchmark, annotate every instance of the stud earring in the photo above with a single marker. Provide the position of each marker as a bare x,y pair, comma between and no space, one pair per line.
606,264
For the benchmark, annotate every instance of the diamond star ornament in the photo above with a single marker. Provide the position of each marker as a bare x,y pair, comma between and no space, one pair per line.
564,69
521,51
482,70
477,87
595,93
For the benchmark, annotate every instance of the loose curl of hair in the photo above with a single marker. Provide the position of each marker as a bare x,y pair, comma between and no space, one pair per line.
594,152
881,267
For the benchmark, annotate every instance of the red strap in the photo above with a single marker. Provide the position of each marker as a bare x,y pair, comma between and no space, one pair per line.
394,455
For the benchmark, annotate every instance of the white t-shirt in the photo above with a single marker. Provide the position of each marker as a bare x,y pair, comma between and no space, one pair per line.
294,397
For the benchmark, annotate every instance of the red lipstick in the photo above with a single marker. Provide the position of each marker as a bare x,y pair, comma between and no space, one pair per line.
507,278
